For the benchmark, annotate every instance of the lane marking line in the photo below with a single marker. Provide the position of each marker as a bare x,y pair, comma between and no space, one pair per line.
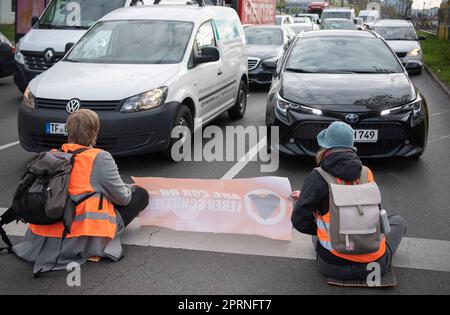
248,157
6,146
439,139
414,253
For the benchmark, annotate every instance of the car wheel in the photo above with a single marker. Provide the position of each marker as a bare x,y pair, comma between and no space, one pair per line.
238,110
183,119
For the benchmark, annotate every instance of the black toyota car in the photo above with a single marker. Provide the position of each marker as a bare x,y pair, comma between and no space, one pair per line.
350,76
6,57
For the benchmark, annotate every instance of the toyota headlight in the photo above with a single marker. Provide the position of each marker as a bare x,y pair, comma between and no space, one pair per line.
28,99
145,101
285,105
415,108
414,53
18,56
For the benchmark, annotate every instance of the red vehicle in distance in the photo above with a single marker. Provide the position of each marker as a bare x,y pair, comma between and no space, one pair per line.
317,7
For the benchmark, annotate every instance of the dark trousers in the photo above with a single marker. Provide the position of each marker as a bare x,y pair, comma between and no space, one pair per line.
139,201
359,271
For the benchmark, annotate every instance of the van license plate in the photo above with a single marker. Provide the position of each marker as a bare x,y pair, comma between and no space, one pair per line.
56,129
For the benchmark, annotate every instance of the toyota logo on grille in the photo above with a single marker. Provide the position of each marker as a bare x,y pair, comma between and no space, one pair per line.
73,106
49,54
352,118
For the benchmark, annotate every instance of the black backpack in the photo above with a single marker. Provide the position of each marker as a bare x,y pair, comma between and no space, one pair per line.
42,197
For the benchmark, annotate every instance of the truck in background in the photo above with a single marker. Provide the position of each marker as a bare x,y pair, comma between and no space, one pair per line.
255,11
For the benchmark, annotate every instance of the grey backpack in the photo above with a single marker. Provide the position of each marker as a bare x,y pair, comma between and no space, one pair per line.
355,226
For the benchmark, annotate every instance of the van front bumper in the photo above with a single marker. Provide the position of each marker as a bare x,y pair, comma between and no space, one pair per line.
120,133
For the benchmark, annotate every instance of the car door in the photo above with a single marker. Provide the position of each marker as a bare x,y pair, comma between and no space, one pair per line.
206,76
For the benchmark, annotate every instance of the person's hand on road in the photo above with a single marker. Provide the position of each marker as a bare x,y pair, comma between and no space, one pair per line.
295,195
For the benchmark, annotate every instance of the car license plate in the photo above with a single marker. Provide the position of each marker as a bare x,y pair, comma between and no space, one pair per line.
56,129
366,135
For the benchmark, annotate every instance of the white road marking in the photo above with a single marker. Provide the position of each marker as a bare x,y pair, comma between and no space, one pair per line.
6,146
251,154
439,139
414,253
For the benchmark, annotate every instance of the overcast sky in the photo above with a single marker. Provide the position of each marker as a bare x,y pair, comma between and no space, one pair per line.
418,4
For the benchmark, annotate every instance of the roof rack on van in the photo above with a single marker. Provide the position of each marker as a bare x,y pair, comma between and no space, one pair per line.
201,3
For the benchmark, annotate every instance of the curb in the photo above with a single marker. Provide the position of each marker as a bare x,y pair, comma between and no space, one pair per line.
443,86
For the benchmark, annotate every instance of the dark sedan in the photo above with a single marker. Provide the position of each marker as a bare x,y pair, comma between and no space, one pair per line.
6,57
350,76
265,43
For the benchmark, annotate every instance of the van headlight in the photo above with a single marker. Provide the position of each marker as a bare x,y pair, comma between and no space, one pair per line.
414,53
18,56
145,101
285,105
28,99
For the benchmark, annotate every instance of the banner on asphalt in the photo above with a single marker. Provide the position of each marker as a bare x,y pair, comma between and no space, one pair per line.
255,206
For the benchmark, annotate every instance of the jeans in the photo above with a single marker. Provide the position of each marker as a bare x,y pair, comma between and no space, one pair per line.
359,271
139,201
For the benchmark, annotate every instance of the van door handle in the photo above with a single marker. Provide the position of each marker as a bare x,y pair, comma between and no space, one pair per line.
220,72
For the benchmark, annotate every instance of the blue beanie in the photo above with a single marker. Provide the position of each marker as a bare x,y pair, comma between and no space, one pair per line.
338,135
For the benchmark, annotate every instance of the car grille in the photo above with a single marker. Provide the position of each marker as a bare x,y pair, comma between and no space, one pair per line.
253,63
93,105
390,137
37,61
401,54
46,142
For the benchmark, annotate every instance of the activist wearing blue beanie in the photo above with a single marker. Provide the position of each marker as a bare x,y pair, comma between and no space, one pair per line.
337,135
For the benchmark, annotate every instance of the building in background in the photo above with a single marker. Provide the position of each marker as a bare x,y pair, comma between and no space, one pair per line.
7,11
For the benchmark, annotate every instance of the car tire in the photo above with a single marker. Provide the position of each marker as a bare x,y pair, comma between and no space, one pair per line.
183,118
238,110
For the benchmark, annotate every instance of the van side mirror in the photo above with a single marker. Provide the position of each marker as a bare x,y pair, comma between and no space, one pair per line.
68,47
422,38
209,54
34,20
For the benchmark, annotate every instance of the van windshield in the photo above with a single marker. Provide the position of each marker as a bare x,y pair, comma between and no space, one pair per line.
133,42
336,15
68,14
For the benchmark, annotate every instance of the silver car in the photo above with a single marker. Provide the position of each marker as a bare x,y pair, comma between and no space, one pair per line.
402,38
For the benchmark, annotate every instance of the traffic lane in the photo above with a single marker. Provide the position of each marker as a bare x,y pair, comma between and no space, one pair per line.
151,270
10,99
13,161
156,166
415,189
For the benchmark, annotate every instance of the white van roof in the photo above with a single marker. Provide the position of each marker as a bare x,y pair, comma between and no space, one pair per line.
188,13
338,9
368,12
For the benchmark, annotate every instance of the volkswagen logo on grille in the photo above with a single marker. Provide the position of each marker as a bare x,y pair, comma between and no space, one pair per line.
352,118
49,54
73,106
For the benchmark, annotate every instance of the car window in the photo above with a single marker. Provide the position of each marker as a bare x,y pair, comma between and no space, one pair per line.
263,36
396,33
342,54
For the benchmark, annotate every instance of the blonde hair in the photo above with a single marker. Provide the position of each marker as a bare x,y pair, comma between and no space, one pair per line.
83,127
320,155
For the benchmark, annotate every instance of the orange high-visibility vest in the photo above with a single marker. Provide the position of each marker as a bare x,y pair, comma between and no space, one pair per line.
323,226
95,217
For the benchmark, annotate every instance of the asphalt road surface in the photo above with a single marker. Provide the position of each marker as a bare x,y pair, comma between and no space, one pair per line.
418,190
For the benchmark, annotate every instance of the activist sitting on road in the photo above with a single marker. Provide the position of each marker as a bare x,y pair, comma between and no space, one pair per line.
99,219
339,159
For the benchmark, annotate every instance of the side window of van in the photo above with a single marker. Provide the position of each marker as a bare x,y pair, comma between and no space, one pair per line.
229,30
205,38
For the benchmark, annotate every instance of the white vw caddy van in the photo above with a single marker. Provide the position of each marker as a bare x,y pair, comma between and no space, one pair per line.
62,22
144,70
